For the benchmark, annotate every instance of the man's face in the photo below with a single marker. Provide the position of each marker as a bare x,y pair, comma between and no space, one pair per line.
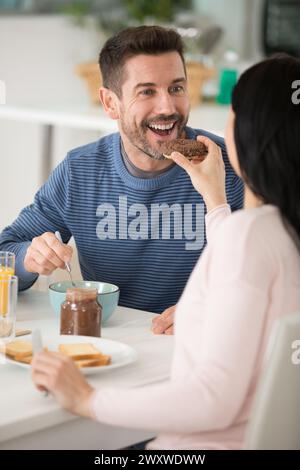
154,106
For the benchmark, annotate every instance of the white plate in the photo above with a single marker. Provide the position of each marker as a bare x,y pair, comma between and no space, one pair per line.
121,353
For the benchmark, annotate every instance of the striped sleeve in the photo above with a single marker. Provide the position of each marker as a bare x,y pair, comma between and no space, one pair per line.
46,214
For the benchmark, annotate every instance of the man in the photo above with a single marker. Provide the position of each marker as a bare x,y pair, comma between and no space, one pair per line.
136,219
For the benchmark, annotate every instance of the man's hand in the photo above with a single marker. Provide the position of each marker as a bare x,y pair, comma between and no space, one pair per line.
164,323
59,375
45,254
207,176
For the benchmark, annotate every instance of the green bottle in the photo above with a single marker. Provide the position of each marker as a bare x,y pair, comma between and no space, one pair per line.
228,78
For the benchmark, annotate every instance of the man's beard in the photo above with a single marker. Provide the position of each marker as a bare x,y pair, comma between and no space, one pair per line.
137,136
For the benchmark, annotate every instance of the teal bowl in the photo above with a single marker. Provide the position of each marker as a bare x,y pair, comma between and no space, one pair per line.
108,295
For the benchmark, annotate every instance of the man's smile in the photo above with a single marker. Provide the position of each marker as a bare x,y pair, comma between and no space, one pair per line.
162,129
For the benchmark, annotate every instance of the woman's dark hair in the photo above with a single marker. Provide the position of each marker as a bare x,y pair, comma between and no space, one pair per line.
129,42
267,134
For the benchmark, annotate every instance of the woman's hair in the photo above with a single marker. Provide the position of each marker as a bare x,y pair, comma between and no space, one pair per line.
150,40
267,134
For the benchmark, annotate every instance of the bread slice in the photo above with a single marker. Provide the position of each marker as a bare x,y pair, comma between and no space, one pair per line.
102,361
84,354
18,349
80,351
25,360
191,149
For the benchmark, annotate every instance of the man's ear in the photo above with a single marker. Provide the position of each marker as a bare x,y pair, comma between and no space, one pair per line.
109,102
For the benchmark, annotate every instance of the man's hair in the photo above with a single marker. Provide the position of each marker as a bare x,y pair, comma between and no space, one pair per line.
150,40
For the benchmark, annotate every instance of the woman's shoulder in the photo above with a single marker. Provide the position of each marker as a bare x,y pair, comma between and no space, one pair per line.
249,229
260,219
247,246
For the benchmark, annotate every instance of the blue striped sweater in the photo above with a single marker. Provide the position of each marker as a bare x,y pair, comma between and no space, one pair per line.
145,235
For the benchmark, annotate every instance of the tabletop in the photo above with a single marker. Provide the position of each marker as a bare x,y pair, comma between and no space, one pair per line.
25,411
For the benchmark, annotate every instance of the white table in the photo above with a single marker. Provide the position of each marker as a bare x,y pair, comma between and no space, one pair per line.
211,117
29,420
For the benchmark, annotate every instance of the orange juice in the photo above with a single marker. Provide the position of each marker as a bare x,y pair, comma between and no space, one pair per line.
5,273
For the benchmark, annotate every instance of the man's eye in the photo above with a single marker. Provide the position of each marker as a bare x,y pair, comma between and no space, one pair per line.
147,92
177,89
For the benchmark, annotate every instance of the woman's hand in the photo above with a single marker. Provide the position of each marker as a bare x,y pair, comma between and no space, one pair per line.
60,376
207,176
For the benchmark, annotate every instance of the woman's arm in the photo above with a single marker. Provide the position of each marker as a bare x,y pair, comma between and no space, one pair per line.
210,394
222,348
214,218
220,352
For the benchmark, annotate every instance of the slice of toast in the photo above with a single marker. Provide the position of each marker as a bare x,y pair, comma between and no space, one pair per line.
80,351
25,360
18,349
102,361
84,354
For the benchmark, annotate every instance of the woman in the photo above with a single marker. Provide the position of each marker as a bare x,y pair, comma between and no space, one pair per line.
247,277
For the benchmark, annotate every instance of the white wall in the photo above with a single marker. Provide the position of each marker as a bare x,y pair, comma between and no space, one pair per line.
240,20
38,55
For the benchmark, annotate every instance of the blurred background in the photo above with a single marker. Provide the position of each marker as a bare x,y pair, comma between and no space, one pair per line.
48,71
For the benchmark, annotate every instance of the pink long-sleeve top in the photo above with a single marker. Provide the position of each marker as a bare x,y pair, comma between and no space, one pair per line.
247,277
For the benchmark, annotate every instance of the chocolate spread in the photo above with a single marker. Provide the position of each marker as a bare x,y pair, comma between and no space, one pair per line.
80,314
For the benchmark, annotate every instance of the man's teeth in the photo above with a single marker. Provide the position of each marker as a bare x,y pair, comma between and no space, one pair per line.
162,127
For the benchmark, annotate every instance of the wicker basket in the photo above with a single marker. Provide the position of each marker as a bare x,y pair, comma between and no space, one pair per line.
90,73
196,75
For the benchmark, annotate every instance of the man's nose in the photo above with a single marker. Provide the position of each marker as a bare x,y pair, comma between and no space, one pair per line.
165,104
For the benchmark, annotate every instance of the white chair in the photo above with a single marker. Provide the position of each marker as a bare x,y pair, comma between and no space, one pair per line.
275,418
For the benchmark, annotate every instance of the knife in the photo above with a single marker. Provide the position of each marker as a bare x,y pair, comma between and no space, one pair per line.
37,347
22,332
37,343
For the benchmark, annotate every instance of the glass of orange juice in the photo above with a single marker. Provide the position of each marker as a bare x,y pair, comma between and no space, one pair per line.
7,264
8,302
7,269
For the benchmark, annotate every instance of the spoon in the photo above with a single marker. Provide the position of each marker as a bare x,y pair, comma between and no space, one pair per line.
68,266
